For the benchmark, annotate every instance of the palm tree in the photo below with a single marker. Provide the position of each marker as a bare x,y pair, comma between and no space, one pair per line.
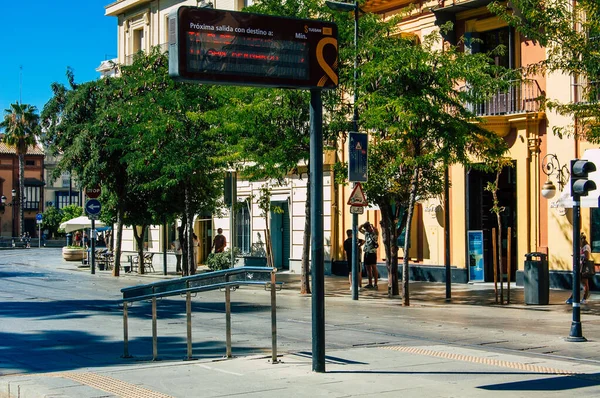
21,127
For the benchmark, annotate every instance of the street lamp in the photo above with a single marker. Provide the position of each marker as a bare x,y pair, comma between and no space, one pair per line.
551,166
347,7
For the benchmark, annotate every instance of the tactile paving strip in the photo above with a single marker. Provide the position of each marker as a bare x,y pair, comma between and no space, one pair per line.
111,385
481,360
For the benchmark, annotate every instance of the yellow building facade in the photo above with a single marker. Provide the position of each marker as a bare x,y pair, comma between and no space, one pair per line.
537,224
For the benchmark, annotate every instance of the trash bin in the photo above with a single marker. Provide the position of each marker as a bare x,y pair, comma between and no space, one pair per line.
537,279
68,239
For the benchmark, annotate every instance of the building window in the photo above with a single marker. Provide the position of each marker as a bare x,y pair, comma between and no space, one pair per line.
66,179
138,40
242,228
30,163
62,199
32,197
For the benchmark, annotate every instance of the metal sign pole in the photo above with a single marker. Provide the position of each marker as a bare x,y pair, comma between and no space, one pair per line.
93,247
316,226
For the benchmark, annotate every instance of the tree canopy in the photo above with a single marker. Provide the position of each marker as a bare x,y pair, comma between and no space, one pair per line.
416,100
142,136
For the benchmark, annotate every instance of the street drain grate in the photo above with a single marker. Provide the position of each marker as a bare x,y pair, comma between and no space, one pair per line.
481,360
111,385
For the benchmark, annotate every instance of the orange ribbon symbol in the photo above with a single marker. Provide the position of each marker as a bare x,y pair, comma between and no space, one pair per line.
328,69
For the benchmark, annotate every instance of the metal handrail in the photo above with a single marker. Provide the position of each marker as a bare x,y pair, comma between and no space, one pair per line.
224,279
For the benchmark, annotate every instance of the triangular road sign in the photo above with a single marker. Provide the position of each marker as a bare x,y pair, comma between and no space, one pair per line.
357,197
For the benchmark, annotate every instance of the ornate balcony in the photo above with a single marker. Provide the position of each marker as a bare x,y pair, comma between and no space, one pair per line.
522,96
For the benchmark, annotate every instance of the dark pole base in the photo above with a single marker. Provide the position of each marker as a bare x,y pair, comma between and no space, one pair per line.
576,334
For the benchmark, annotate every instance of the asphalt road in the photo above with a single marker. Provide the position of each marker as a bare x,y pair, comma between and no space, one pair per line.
56,317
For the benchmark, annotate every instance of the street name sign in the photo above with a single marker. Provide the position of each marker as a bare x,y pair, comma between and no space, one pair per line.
357,157
93,207
228,47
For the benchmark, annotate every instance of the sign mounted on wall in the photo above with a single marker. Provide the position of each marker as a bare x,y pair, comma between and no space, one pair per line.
227,47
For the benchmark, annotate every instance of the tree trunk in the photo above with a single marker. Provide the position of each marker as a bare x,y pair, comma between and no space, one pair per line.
305,277
414,184
389,238
190,234
497,209
119,237
184,246
139,240
21,192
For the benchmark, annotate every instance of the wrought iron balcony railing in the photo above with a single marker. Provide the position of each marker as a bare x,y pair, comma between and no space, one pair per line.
522,96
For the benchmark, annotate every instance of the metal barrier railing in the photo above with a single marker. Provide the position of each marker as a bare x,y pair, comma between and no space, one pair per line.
225,279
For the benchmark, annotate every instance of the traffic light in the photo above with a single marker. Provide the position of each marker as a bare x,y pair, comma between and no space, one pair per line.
580,185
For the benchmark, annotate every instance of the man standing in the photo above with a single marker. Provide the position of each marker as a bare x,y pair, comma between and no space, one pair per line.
348,250
219,242
370,250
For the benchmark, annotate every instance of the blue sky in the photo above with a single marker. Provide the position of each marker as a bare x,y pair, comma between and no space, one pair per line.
47,36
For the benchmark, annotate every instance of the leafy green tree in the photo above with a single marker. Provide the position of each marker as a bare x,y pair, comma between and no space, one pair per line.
88,145
175,161
570,32
270,127
52,219
21,129
419,121
142,137
70,212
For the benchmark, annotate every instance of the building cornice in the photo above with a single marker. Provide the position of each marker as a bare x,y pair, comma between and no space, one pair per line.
121,6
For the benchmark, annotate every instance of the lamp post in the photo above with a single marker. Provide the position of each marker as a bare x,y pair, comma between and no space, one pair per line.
551,166
347,7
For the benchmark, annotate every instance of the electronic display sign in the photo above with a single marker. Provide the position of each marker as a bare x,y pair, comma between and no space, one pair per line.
228,47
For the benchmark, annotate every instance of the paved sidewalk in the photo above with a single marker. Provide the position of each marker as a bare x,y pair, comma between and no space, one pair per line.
406,370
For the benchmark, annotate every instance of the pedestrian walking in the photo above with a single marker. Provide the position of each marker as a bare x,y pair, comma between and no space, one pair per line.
370,250
586,268
195,244
176,245
108,239
349,259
